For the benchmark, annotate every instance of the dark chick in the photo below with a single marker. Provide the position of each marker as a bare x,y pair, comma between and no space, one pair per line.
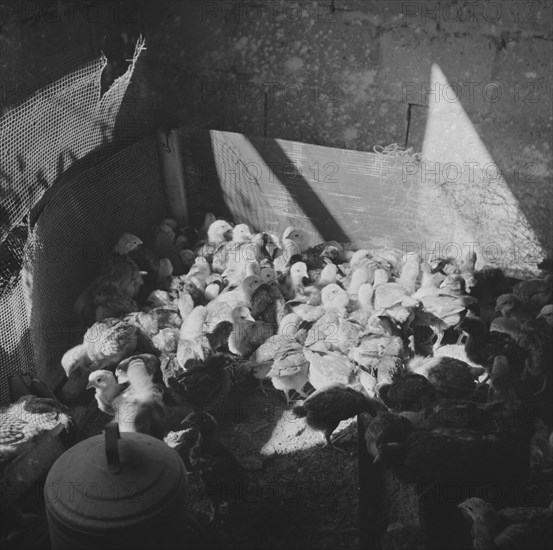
482,347
202,385
509,528
410,394
385,428
535,293
327,407
223,476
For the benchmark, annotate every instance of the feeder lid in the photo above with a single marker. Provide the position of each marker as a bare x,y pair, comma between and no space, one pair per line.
111,480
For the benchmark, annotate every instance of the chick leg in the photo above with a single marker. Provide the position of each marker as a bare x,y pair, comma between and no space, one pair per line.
328,442
262,387
439,337
462,338
286,394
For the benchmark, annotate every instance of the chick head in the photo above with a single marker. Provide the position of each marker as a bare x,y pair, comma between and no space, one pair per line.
219,231
241,233
547,314
290,249
187,257
331,252
358,257
477,509
204,422
298,236
334,296
444,265
251,283
101,379
268,275
181,242
241,313
392,453
298,272
127,243
170,222
455,282
168,230
506,304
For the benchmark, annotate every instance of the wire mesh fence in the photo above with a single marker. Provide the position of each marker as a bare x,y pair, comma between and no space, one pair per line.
67,188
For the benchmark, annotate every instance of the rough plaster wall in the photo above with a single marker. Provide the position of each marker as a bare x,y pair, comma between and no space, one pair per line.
342,73
354,74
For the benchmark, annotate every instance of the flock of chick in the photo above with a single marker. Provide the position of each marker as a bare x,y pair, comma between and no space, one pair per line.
450,366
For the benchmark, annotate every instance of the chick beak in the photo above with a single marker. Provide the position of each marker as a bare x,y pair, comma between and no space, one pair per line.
306,280
228,234
248,316
89,385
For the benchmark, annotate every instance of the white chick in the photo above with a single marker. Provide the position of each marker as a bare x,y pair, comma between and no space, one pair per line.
410,272
293,283
199,272
359,256
193,345
185,304
329,274
219,231
241,233
136,407
359,277
334,297
381,277
214,284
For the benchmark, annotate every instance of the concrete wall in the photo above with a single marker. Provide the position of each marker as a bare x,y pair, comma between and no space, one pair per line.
342,73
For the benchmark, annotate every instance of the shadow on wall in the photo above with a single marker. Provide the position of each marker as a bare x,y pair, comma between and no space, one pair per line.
305,197
485,194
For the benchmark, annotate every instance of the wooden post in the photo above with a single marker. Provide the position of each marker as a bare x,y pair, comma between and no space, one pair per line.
173,175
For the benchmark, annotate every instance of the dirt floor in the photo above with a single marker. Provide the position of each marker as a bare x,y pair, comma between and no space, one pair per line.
301,494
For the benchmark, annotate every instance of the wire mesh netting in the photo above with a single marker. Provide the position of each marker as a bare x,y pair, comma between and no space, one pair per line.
62,173
74,237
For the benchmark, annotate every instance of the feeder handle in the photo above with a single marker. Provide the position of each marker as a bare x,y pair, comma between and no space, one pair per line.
112,450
